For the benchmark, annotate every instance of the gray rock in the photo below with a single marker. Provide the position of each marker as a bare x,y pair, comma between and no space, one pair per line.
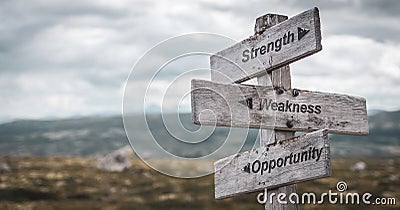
359,166
117,161
4,168
393,177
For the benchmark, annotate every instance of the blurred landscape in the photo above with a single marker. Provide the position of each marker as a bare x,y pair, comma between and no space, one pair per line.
54,164
91,136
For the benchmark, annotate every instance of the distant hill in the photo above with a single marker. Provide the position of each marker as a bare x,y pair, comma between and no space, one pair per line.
70,137
383,138
91,136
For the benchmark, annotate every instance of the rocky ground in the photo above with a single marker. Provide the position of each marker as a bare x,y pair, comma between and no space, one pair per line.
77,183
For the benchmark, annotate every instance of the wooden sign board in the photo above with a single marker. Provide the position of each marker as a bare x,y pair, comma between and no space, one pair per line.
290,161
236,105
289,41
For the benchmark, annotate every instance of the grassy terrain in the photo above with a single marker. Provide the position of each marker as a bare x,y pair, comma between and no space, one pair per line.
76,183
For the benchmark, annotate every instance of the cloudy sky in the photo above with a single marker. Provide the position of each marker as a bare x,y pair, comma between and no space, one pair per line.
72,58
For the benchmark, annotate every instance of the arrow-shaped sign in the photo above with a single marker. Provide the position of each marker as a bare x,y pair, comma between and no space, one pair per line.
276,46
293,160
237,105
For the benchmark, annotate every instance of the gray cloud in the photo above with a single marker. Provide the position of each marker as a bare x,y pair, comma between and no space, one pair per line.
367,18
69,58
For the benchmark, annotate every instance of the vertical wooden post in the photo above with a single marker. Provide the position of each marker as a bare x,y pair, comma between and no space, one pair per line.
280,78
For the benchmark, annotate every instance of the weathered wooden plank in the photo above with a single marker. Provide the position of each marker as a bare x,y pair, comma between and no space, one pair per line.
237,105
289,161
291,40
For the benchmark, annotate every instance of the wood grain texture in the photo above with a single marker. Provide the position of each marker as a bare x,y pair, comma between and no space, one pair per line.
226,105
267,21
233,178
228,66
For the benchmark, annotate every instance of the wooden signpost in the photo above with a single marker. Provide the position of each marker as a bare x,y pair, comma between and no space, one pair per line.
237,105
296,38
278,110
289,161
